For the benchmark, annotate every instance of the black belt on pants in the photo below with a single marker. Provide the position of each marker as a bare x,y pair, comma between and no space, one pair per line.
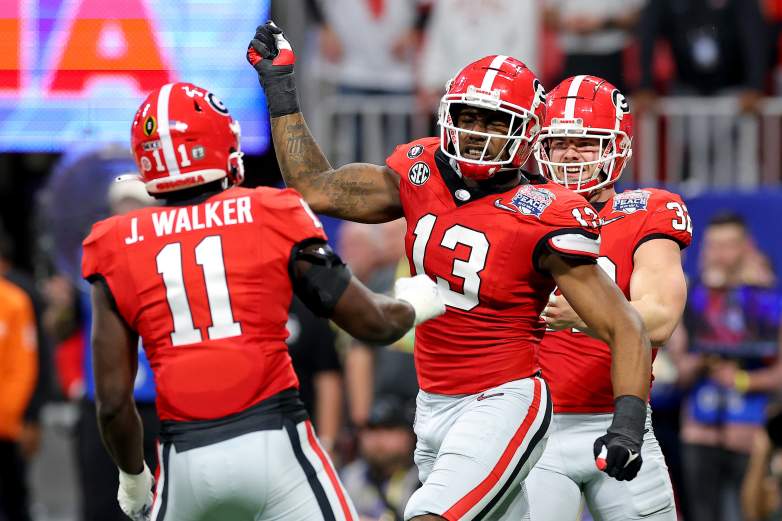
264,416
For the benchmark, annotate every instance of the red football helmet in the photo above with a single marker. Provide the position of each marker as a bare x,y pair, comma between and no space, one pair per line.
586,107
183,136
498,83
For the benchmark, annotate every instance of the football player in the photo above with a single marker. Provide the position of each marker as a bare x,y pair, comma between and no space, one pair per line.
584,146
206,280
496,240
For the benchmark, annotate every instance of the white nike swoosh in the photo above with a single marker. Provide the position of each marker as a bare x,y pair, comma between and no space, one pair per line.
603,222
633,455
501,206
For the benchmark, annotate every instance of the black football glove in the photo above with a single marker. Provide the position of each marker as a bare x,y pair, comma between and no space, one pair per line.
272,57
618,452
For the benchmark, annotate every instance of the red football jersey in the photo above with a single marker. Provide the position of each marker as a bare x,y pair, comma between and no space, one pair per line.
482,248
577,367
207,287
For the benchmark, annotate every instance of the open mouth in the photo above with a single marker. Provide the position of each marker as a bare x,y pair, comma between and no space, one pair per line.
473,152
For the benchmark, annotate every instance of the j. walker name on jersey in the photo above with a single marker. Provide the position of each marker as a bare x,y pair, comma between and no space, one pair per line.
209,215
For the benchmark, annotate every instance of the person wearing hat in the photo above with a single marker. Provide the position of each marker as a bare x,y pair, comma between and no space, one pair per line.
384,477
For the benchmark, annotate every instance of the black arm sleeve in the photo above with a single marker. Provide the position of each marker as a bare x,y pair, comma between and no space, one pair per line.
319,276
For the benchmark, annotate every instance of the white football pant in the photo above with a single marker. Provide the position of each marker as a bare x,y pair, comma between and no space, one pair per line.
567,470
269,475
474,451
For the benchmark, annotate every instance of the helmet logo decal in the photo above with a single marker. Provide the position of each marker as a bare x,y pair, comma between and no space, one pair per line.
620,102
217,104
540,94
192,92
415,151
419,173
146,164
198,152
150,125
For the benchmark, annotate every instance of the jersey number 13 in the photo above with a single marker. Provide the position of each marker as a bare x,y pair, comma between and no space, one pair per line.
468,270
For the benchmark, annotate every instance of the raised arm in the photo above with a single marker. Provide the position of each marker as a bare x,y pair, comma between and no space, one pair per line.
357,192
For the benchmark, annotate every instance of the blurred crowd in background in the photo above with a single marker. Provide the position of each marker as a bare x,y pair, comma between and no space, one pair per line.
704,79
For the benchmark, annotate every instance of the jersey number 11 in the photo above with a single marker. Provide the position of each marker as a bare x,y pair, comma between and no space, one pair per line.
209,255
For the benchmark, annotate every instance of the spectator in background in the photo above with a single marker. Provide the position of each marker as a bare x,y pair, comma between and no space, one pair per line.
461,31
18,371
729,359
30,436
593,35
376,255
368,50
384,477
312,347
761,492
718,47
369,46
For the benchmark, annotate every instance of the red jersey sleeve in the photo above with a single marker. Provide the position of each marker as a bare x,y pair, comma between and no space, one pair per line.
667,218
569,226
413,161
291,218
96,257
100,261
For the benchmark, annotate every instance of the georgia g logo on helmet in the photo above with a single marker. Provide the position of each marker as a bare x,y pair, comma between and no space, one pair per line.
540,94
216,103
621,104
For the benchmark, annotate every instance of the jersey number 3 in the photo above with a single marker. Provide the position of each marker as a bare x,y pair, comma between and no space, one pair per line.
468,270
209,255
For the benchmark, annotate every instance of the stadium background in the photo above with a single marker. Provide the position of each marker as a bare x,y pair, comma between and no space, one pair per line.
72,73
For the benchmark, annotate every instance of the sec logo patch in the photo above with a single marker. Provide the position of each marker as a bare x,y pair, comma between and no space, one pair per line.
419,173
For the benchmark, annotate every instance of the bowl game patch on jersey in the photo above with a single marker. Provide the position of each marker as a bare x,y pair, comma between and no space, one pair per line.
631,201
531,200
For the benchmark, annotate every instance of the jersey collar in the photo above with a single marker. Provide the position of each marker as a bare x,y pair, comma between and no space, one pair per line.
462,194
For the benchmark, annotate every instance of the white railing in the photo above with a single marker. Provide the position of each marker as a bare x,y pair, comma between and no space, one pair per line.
695,143
367,128
703,143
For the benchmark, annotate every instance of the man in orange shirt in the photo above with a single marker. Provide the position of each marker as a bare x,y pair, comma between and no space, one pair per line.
18,372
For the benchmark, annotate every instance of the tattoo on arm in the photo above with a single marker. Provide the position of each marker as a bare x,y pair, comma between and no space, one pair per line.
358,192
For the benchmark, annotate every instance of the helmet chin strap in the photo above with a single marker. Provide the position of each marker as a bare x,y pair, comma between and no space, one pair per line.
588,195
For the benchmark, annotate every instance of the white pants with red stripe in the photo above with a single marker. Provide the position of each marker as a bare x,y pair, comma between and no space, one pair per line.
265,475
474,451
566,472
